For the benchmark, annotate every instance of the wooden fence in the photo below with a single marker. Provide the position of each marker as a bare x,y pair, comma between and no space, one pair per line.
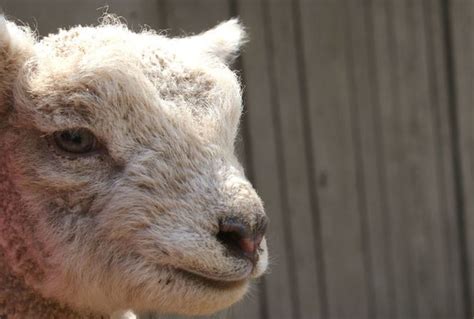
358,134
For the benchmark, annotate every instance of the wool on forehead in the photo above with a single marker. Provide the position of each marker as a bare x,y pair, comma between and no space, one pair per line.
111,67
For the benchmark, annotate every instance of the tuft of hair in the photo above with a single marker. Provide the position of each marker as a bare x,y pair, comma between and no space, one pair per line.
112,19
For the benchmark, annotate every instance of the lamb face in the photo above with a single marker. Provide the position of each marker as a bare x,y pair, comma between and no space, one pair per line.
118,149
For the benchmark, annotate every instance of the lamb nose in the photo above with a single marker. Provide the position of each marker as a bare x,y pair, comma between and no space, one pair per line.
240,238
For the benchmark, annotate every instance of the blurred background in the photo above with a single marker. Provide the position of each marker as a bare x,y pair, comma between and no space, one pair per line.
358,134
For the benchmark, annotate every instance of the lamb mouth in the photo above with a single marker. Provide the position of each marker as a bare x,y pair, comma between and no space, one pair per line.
212,282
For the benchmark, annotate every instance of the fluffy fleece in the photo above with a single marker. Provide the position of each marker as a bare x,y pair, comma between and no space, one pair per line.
132,225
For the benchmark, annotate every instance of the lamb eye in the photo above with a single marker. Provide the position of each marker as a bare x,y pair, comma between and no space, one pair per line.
77,141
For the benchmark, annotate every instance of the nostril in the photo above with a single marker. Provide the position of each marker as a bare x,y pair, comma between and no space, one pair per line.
239,238
234,236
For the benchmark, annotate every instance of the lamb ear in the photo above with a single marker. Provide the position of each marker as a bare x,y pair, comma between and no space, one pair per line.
16,45
223,41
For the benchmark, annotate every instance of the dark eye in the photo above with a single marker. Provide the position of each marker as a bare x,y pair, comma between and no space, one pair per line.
77,141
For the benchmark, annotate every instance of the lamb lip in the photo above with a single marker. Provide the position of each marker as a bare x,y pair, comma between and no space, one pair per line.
215,283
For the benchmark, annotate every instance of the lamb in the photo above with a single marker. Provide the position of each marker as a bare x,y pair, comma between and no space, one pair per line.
119,186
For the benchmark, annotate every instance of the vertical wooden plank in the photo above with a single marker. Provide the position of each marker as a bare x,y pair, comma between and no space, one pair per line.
241,144
416,168
420,162
264,150
389,130
461,15
288,120
369,158
323,27
438,78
